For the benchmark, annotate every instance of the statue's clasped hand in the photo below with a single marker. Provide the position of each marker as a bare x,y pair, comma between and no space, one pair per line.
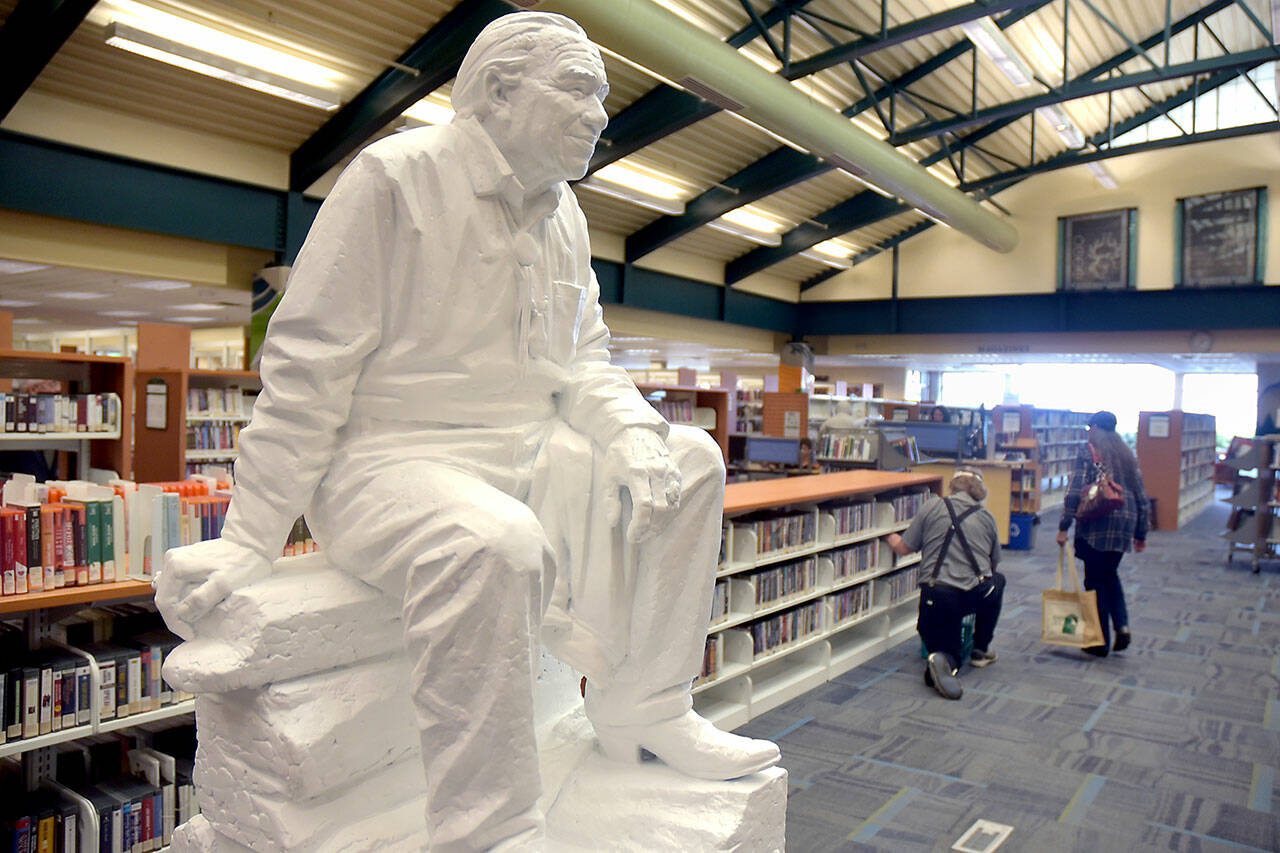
196,578
638,462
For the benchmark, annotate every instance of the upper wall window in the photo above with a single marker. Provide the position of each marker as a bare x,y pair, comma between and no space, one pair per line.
1221,238
1098,251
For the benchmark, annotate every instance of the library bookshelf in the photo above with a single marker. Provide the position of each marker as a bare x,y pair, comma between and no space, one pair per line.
1011,486
806,589
705,408
1051,438
77,374
1254,523
201,407
1176,452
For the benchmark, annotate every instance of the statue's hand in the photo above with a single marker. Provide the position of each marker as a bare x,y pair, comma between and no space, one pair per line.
638,462
197,577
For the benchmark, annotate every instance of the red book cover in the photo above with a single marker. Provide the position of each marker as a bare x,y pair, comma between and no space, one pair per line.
7,552
80,532
148,831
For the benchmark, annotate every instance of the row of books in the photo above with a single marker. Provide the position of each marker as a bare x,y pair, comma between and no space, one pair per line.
60,413
849,603
1060,435
853,517
112,794
833,445
51,545
1201,456
856,559
712,659
902,584
676,411
1058,417
906,506
52,689
720,601
785,580
213,435
300,540
774,632
215,402
781,531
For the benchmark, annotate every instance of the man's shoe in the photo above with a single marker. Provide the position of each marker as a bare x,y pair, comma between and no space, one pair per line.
1122,641
945,677
690,744
1096,651
981,658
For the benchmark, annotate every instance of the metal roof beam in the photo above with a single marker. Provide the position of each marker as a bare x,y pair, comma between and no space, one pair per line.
663,110
902,33
435,57
1085,88
34,31
858,212
1076,158
784,167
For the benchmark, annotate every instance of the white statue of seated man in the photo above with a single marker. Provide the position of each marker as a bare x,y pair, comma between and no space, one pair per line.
438,398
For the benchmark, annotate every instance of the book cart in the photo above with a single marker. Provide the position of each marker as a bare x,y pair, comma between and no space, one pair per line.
705,408
806,589
1255,502
1176,452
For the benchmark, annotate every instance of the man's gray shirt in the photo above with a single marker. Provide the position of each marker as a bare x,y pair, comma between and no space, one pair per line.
929,528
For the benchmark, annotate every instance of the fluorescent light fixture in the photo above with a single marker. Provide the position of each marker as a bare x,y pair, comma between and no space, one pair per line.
640,181
430,110
78,294
992,41
821,257
1103,175
185,319
754,225
200,306
27,320
644,188
16,303
643,351
1062,124
19,267
123,313
211,64
159,284
833,248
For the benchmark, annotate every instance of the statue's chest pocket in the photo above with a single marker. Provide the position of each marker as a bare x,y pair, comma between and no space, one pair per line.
568,300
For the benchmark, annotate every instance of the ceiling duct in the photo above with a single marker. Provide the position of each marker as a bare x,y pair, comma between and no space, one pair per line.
654,38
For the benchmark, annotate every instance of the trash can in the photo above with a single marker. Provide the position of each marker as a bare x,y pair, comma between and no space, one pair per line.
1022,530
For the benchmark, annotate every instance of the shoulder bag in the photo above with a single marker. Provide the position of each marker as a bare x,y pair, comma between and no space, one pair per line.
1103,496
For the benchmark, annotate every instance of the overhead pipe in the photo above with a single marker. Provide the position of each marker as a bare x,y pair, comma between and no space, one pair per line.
660,41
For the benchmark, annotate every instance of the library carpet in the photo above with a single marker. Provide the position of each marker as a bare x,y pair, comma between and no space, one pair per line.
1172,744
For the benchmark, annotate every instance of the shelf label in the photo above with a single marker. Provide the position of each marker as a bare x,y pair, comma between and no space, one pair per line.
1158,426
157,403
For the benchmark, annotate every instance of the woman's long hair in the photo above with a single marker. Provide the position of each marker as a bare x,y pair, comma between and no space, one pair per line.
1115,454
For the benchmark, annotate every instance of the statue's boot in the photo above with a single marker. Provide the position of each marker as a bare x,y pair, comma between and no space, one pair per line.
691,744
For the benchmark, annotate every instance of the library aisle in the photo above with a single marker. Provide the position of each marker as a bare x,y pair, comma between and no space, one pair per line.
1170,745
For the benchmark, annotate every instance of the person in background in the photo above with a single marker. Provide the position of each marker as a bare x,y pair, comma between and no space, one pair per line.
940,414
1101,542
960,549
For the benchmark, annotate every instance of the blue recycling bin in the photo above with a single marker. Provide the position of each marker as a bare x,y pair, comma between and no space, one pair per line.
1022,530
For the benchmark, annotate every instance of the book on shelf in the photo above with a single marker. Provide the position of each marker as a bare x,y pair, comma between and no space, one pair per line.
778,531
712,659
790,626
856,559
213,435
849,603
229,402
57,534
784,580
60,414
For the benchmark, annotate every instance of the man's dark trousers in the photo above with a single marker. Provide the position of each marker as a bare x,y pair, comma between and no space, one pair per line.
943,607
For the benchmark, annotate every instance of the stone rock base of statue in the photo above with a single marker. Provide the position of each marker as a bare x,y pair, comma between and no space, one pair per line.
307,740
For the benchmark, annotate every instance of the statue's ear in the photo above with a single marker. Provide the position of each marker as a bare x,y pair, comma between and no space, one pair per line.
497,94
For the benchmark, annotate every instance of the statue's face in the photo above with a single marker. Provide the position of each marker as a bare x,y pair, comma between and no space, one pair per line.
557,113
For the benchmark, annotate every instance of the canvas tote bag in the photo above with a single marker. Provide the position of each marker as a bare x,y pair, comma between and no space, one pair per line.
1069,617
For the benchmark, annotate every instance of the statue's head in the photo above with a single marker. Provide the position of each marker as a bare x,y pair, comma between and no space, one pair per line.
537,85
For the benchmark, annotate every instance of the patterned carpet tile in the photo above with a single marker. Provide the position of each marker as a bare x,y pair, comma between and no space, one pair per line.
1172,745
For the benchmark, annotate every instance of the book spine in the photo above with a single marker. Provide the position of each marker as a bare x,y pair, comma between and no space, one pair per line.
46,699
107,687
35,554
47,550
17,531
80,546
30,702
107,536
84,694
69,548
93,540
9,582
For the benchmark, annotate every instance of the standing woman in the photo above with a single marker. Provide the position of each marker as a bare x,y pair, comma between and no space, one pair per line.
1100,542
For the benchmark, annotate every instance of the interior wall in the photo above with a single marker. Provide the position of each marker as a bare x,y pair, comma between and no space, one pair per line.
943,262
98,129
894,379
623,320
65,242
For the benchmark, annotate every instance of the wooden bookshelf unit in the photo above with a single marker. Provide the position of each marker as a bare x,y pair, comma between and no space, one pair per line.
847,596
707,408
77,374
1176,452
